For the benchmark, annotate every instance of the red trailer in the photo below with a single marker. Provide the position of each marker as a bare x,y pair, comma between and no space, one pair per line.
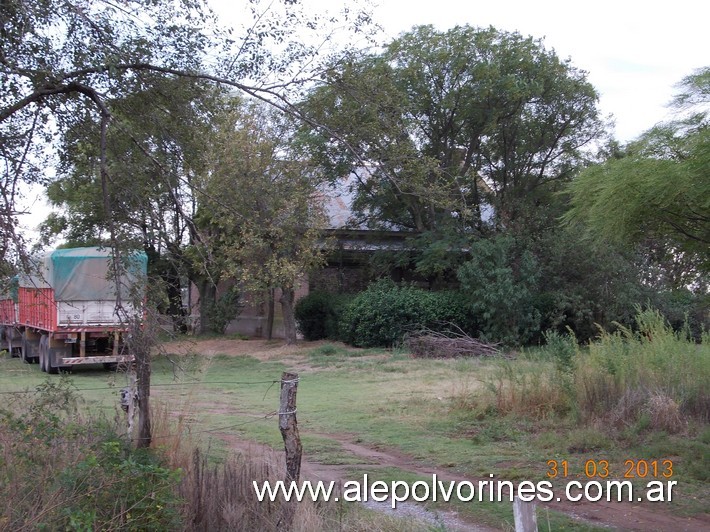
71,312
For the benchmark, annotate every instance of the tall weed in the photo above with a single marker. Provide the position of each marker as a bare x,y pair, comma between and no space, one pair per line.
650,373
630,372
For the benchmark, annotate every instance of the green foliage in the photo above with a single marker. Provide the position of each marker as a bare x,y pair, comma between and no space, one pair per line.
131,488
562,348
325,350
384,313
225,309
61,471
263,204
318,314
583,286
438,110
658,189
629,369
685,311
648,378
500,281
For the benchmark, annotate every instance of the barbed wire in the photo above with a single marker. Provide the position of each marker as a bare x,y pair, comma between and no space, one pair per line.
263,417
156,385
188,431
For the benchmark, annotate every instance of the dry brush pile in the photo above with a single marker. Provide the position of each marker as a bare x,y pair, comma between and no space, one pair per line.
427,343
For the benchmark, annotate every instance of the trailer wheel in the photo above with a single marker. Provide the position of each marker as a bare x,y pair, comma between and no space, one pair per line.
49,358
15,350
29,349
9,334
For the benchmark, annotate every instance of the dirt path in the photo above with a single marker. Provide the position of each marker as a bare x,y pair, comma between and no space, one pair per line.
623,516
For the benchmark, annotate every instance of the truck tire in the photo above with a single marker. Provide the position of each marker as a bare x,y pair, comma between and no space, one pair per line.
9,336
15,349
50,359
29,350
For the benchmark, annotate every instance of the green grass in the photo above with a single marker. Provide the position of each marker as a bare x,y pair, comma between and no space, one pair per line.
436,411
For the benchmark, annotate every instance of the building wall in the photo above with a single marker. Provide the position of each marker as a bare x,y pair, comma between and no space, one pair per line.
252,320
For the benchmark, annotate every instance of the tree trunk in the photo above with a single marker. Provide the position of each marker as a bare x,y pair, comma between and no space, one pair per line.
143,381
140,341
208,296
270,315
175,308
287,299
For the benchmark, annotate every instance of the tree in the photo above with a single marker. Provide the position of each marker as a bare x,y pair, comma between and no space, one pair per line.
449,121
657,192
500,280
155,151
62,59
265,203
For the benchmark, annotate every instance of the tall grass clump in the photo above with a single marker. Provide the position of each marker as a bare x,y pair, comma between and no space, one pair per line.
221,496
526,389
649,371
63,470
649,375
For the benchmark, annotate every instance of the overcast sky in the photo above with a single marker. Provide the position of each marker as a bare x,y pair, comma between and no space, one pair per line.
635,51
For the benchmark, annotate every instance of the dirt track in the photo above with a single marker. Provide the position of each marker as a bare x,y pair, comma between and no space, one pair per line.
622,516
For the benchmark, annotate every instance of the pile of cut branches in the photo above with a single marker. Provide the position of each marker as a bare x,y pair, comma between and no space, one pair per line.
427,343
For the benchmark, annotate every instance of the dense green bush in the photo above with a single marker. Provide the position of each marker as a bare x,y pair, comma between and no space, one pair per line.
501,281
318,314
685,311
384,313
225,309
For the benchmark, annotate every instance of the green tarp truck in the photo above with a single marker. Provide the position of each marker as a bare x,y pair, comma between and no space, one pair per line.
74,308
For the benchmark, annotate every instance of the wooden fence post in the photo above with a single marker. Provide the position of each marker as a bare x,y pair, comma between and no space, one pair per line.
288,425
524,516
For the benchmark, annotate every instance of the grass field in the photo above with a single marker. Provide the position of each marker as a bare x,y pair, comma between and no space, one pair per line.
426,413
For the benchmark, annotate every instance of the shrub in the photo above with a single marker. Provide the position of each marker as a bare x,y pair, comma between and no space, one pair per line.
225,309
651,377
384,313
562,349
318,314
501,281
652,362
62,471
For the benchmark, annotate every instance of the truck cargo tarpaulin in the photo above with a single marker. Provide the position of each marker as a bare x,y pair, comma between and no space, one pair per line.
66,312
84,274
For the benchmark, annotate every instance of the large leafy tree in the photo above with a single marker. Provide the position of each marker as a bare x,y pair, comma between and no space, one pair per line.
446,122
62,59
263,198
155,152
656,192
